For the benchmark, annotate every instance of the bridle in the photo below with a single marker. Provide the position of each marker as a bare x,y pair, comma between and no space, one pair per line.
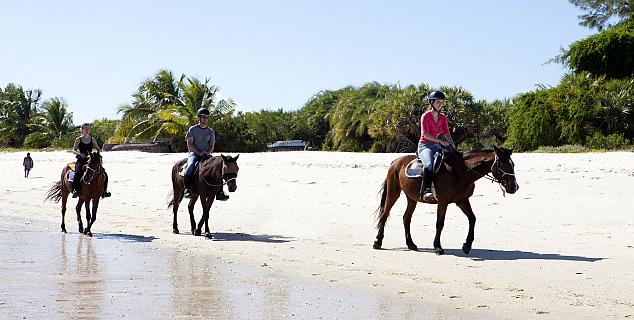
224,181
94,173
490,176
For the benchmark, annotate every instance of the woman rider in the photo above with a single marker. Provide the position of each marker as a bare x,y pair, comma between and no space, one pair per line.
433,124
82,148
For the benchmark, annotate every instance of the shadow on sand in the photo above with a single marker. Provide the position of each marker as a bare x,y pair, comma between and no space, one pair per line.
269,238
124,237
504,255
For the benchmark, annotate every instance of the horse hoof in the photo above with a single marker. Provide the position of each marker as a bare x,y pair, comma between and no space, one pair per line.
197,232
208,235
439,251
81,229
175,231
193,232
412,246
89,234
64,230
466,248
377,245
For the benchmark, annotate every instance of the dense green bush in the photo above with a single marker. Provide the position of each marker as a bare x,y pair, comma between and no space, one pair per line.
610,142
37,140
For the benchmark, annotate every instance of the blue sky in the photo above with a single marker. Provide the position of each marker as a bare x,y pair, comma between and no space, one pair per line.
277,54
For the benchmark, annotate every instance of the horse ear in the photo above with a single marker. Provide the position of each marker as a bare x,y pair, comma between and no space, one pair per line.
496,149
224,158
236,158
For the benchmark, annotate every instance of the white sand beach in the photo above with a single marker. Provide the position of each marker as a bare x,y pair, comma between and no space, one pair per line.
562,247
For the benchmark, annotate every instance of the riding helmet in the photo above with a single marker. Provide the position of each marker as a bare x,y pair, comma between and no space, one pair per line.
437,95
202,112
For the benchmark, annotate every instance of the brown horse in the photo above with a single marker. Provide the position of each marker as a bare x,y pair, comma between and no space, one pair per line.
454,183
207,182
92,187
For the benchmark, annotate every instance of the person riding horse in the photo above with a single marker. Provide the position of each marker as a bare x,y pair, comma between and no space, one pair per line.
82,148
200,142
433,123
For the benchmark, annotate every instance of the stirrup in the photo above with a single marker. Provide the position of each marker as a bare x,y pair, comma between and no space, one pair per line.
187,194
428,196
75,193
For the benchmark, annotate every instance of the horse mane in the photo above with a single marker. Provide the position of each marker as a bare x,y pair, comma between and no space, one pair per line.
474,153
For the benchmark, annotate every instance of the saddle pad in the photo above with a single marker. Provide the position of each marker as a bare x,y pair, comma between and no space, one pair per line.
414,169
183,170
71,165
70,175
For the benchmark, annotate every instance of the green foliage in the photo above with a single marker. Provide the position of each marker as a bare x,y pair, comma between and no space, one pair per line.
103,130
599,12
37,140
608,53
610,142
567,148
17,109
580,106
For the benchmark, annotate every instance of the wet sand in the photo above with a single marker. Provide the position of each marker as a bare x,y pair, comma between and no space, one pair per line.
45,274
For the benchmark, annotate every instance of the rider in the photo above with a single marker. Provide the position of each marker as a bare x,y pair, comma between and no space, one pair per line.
82,148
433,124
200,142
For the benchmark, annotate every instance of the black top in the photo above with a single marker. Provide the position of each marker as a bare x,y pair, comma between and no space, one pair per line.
85,148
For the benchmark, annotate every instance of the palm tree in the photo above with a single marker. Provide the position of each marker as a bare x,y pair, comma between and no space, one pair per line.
54,120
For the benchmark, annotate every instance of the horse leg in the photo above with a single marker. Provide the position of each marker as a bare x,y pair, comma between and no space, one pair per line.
206,209
465,206
203,203
178,197
64,200
440,223
95,205
392,191
407,219
87,205
190,209
80,202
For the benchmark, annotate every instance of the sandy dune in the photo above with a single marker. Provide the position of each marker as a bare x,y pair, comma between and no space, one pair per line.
561,247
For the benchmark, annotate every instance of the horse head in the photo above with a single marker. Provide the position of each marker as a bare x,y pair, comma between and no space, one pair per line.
503,169
93,167
230,171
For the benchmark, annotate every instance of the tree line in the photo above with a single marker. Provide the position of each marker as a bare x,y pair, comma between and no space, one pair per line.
591,106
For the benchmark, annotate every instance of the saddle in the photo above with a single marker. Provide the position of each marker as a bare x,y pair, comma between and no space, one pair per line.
70,175
415,168
183,168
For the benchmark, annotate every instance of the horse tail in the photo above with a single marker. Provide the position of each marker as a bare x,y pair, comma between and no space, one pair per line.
55,192
380,213
170,203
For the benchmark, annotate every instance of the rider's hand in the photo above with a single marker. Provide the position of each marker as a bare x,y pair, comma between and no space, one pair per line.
444,143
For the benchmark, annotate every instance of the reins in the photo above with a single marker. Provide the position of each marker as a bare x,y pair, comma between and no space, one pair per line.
490,176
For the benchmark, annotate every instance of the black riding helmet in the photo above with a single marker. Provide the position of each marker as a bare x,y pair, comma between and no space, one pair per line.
436,95
202,112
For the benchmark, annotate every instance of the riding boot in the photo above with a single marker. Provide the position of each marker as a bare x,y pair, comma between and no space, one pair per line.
187,181
425,188
76,185
106,193
220,195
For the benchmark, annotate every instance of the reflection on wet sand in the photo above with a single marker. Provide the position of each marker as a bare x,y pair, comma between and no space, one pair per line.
69,276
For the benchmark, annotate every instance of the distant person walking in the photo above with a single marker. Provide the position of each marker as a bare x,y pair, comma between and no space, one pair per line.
28,164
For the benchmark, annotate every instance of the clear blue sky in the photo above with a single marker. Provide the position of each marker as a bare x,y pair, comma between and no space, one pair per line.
277,54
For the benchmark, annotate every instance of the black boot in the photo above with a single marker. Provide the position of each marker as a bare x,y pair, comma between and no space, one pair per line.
187,181
106,193
425,188
221,195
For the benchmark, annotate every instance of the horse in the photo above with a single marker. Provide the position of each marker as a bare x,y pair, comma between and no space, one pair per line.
207,182
453,183
92,187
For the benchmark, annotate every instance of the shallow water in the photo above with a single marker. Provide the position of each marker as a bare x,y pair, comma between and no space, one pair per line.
50,275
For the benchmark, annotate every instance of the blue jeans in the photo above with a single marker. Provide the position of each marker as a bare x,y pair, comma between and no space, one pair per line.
426,152
192,160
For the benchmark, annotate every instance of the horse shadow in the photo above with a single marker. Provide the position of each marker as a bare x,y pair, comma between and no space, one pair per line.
124,237
509,255
267,238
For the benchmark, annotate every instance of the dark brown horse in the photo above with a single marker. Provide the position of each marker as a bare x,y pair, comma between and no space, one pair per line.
454,183
211,175
92,187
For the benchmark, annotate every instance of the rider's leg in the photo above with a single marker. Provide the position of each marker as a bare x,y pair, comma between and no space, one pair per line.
106,193
192,159
426,153
77,178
